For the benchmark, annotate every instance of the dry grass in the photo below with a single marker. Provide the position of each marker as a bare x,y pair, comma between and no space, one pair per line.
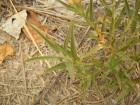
24,84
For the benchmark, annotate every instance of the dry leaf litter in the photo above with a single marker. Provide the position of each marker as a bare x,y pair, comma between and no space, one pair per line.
24,83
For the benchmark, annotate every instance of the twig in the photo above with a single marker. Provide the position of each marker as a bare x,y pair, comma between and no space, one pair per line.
84,36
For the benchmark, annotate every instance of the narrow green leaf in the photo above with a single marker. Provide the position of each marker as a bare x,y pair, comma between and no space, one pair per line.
112,30
118,80
56,67
68,37
44,58
73,41
127,8
82,23
70,68
137,7
114,62
86,83
135,58
127,25
52,44
91,10
120,17
136,10
63,3
123,56
92,51
66,5
133,26
87,12
136,80
108,10
136,18
56,47
130,43
94,81
103,25
112,26
75,7
117,4
93,63
125,91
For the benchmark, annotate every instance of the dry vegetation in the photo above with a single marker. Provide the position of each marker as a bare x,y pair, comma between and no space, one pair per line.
26,84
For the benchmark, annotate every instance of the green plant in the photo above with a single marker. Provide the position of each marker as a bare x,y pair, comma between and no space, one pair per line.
112,69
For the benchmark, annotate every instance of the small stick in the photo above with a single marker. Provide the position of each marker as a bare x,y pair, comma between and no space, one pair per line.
84,36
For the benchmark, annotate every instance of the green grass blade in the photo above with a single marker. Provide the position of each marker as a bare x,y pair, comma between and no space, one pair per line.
75,7
136,80
120,17
113,63
117,4
87,12
56,47
52,44
86,83
124,92
73,41
129,44
136,10
96,85
108,10
127,25
93,63
127,8
68,37
118,80
92,51
56,67
91,10
112,26
103,25
133,26
70,68
137,6
66,5
135,58
44,58
136,18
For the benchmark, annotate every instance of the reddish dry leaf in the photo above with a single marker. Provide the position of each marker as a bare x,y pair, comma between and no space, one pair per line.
32,18
5,50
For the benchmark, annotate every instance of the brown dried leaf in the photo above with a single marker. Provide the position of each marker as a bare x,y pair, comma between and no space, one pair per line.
32,18
5,50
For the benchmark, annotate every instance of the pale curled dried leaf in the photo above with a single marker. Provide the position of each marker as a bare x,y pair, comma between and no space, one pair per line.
13,25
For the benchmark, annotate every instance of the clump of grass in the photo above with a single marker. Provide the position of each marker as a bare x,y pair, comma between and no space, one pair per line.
117,41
